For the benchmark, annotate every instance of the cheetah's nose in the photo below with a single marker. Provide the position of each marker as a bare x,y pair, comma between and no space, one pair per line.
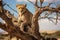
20,11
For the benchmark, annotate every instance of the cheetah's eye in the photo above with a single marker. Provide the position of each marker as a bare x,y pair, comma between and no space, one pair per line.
19,8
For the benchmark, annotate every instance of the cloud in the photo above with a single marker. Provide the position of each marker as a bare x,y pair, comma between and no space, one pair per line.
45,24
38,0
51,0
21,0
24,0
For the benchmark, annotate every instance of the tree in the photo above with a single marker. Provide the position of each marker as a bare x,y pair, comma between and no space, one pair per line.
14,30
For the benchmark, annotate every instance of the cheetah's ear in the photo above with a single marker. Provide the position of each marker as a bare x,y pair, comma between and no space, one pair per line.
16,5
25,5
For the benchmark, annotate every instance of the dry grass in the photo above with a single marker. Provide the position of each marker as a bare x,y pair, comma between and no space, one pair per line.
48,31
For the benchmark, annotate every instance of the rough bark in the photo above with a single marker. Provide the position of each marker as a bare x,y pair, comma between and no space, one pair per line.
14,30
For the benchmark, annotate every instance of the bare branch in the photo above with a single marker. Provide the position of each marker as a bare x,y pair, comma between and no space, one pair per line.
56,18
51,9
3,26
34,4
58,7
19,35
12,29
30,2
41,1
9,15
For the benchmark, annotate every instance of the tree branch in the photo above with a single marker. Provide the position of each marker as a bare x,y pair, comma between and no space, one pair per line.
9,15
14,30
34,4
51,9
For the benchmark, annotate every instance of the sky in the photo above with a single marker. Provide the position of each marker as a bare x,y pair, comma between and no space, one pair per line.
44,24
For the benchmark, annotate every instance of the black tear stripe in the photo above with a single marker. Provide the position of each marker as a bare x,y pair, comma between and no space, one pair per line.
25,28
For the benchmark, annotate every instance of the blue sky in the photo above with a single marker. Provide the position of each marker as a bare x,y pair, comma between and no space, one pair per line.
13,3
44,23
30,6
